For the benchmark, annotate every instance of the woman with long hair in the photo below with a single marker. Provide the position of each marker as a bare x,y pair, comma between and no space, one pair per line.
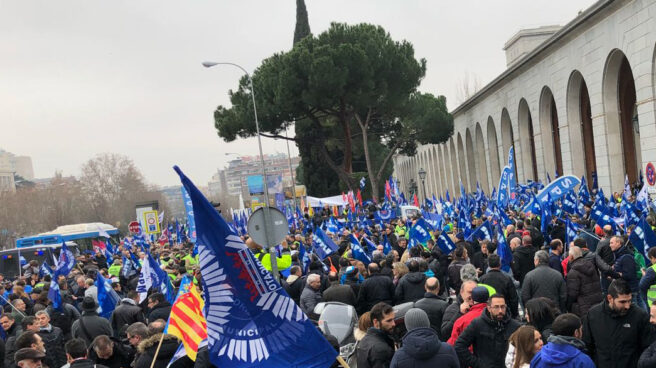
524,344
540,313
363,325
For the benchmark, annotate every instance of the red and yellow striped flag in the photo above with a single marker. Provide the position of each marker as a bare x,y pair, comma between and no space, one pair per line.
187,322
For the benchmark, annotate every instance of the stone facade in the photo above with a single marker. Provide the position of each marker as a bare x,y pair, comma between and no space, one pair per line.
581,101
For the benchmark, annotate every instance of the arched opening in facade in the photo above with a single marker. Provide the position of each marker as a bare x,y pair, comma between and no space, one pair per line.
579,115
471,160
493,152
455,168
527,142
507,139
622,126
439,172
444,172
481,161
553,158
462,163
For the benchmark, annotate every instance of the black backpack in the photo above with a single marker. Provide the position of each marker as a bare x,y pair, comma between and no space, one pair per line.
62,319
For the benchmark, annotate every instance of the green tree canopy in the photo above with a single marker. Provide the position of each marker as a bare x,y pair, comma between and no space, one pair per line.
349,78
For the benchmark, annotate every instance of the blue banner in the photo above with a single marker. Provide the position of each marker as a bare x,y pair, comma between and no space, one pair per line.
502,194
190,215
251,321
445,243
643,237
357,251
66,262
323,244
482,232
555,190
503,250
420,231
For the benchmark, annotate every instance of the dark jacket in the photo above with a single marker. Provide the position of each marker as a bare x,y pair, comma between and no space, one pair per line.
434,306
648,357
410,287
489,339
597,260
375,350
522,262
562,351
556,263
122,356
94,325
547,282
160,311
148,347
294,289
53,340
605,252
451,315
340,293
439,265
479,260
625,264
613,340
422,348
505,286
127,313
377,288
309,299
583,286
454,274
63,318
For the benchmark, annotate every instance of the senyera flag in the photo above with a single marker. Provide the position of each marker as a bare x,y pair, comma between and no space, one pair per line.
251,321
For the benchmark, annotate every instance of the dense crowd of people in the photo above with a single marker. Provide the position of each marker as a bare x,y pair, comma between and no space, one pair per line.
583,304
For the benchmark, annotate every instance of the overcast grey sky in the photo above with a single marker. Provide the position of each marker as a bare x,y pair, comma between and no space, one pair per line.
78,78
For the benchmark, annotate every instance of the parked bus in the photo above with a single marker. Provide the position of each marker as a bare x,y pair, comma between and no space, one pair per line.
10,259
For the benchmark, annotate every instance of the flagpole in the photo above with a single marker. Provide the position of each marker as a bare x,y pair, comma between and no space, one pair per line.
267,216
152,364
12,306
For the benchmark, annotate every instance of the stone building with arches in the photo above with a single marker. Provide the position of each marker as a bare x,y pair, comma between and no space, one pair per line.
579,100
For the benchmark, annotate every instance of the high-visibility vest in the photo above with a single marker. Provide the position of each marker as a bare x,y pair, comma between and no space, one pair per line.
283,262
491,291
114,270
651,293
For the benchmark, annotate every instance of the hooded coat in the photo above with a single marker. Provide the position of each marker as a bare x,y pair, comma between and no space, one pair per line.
148,347
522,262
410,287
564,352
583,286
422,348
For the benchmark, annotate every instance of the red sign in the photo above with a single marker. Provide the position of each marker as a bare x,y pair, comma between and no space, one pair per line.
134,227
650,173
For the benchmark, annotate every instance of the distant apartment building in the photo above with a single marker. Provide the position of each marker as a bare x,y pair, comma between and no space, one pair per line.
233,179
173,197
20,165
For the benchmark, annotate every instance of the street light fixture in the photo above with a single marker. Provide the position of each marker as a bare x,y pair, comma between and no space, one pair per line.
422,176
267,217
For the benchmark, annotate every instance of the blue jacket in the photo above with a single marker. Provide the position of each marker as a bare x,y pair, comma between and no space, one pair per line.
422,348
562,351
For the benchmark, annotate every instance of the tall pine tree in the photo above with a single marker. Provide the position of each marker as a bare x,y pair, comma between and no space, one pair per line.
320,179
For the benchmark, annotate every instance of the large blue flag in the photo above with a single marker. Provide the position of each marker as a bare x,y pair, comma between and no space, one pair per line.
642,237
358,253
387,247
445,243
55,296
420,231
482,232
107,297
503,250
555,190
323,244
584,193
66,262
304,257
45,270
571,231
251,321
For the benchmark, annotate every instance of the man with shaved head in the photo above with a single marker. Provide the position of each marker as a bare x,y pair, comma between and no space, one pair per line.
433,304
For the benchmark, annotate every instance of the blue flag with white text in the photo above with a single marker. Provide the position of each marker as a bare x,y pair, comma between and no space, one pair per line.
323,244
251,321
445,243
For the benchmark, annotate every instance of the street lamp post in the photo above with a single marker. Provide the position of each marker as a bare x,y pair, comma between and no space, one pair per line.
267,217
422,176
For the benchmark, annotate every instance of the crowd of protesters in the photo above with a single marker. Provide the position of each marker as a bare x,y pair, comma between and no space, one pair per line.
582,304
